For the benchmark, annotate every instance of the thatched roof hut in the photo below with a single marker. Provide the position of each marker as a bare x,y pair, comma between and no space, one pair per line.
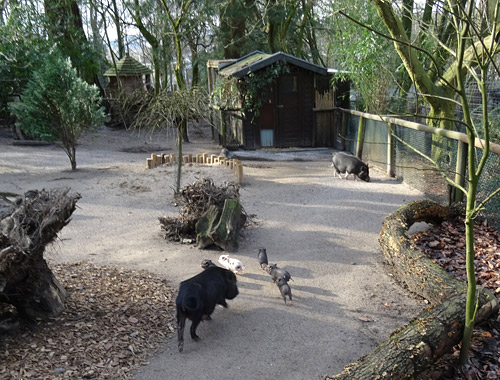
132,75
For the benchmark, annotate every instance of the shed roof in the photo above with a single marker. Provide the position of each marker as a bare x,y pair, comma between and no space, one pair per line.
127,66
258,60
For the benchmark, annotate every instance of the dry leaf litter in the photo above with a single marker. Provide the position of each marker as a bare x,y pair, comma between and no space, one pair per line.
445,245
112,320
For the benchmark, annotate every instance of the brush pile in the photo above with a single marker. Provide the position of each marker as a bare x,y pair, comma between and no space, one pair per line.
195,200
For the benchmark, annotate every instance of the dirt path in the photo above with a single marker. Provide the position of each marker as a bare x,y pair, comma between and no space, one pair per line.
323,230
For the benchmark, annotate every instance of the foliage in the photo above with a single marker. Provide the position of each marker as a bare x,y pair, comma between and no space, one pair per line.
356,53
248,92
471,43
257,84
172,110
57,105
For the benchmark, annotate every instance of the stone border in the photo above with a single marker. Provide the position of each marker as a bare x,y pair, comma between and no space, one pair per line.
417,346
205,159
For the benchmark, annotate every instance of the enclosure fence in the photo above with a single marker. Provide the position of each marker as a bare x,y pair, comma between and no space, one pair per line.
393,144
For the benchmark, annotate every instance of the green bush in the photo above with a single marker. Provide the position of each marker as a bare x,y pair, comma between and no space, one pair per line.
57,105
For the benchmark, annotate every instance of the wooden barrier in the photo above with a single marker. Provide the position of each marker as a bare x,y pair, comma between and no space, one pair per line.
169,159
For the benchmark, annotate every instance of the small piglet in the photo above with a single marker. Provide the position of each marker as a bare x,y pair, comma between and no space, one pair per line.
262,257
277,273
198,296
234,265
349,164
285,289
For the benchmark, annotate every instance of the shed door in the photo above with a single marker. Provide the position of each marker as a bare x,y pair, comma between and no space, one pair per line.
289,126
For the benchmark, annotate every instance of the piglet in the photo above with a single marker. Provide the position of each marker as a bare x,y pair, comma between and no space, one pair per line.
285,289
277,273
349,164
262,257
234,265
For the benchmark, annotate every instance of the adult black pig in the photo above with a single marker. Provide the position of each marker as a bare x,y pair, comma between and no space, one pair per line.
198,296
349,164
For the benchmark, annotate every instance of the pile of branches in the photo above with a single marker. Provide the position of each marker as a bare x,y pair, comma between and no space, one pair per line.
194,200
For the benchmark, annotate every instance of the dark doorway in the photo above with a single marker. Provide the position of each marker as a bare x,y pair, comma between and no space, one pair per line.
288,128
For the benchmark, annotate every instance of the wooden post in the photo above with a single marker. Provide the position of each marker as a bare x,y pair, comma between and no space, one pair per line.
190,157
167,158
149,162
198,159
205,158
172,157
343,132
460,170
361,137
212,158
153,158
239,173
391,151
185,159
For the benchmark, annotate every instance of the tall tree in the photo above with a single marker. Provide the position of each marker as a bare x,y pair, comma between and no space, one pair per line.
152,40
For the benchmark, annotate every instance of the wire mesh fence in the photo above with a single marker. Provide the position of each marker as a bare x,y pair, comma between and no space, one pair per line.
417,171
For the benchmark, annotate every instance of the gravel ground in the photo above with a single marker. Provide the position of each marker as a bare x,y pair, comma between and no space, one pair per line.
323,230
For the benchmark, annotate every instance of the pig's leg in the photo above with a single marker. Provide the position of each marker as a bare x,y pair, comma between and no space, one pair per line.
181,322
194,326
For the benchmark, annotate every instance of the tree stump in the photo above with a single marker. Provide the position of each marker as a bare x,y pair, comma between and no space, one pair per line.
26,228
221,227
414,348
205,225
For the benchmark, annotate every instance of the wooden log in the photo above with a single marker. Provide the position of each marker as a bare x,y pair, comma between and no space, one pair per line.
407,262
25,230
149,163
225,233
204,226
416,347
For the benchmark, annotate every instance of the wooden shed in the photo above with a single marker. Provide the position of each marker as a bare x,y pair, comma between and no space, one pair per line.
287,114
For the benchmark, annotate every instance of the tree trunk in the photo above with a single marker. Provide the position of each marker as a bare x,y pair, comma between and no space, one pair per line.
25,230
415,348
408,263
221,228
205,225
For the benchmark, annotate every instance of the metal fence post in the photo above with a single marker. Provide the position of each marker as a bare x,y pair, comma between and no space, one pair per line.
460,170
361,137
391,151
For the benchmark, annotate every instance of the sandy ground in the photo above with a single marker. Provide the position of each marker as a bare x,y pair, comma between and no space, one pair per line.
323,230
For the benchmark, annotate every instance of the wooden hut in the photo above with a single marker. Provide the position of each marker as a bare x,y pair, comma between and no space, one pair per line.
130,73
287,115
128,76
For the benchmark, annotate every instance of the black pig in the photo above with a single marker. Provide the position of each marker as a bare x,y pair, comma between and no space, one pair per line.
277,273
285,289
349,164
205,263
262,257
198,296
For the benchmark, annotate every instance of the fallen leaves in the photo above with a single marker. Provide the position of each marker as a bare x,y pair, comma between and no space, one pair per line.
445,245
112,320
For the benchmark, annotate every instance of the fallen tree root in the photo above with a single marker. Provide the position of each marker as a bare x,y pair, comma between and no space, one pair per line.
32,222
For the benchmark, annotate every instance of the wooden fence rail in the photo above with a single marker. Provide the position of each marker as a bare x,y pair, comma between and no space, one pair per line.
462,139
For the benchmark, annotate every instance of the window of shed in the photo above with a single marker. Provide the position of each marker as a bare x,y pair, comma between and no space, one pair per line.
289,84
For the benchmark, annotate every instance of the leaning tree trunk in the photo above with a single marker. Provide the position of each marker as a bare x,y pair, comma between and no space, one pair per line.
26,228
